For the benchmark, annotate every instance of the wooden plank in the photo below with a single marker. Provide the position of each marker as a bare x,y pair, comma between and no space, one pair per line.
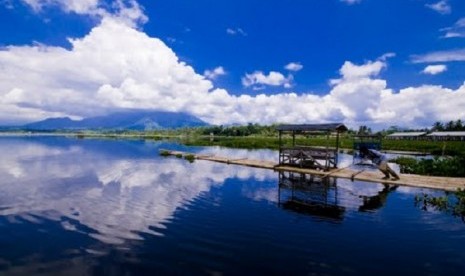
420,181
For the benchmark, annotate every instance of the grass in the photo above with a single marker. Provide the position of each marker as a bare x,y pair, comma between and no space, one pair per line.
452,148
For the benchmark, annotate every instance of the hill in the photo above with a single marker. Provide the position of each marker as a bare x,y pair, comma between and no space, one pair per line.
130,120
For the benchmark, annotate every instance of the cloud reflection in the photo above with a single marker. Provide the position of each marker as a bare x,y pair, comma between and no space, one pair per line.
117,196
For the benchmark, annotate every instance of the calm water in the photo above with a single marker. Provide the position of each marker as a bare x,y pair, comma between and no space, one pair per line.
108,207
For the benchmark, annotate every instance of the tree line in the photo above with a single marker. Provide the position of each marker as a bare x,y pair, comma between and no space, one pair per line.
270,130
449,126
247,130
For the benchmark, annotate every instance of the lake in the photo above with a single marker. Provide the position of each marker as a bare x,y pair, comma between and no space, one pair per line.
115,207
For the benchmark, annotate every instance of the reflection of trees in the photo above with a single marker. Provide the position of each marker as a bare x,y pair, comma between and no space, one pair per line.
309,194
452,203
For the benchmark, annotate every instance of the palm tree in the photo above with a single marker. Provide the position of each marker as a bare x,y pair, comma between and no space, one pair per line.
438,126
458,125
450,125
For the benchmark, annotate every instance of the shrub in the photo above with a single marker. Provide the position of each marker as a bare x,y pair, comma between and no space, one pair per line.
438,166
190,158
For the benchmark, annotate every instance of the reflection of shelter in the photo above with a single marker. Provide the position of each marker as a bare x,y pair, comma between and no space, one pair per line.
309,194
306,156
368,141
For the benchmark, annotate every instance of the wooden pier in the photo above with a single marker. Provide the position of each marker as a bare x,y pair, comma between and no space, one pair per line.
413,180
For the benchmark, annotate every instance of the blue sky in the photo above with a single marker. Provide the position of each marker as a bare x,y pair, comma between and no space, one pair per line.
374,62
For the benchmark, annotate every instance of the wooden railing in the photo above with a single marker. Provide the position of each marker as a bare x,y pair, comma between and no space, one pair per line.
308,157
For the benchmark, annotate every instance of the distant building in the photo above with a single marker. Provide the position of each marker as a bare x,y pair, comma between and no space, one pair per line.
407,136
447,136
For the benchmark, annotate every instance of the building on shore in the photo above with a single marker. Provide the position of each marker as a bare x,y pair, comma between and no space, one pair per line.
407,136
447,136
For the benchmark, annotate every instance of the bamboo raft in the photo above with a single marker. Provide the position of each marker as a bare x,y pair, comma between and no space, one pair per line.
413,180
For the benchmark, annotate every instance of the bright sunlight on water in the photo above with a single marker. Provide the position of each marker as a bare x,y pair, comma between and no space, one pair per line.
115,207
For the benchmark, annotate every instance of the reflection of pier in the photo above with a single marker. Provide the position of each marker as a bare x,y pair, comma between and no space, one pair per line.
309,194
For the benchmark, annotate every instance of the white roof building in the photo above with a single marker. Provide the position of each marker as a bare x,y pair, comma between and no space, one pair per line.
447,133
412,135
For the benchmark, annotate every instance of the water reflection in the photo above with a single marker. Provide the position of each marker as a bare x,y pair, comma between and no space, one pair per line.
123,189
320,196
96,207
110,187
310,194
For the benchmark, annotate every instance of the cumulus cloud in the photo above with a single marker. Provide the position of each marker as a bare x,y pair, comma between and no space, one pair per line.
102,71
351,71
294,66
273,79
213,74
457,30
441,7
434,69
440,56
116,66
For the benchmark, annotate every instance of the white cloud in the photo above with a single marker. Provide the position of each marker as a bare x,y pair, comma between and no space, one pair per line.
434,69
76,6
236,31
102,71
457,30
294,66
213,74
117,66
441,7
350,71
128,11
273,79
351,2
440,56
385,56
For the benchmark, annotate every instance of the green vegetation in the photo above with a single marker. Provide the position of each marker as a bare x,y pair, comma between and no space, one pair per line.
438,166
453,203
178,155
451,148
190,158
165,153
449,126
432,147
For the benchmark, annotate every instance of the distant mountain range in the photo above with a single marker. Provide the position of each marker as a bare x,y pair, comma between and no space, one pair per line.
130,120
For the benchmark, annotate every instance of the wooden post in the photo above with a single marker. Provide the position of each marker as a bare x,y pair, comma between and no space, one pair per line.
337,149
280,147
327,150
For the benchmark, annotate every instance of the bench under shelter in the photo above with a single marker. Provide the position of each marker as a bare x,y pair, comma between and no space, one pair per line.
321,157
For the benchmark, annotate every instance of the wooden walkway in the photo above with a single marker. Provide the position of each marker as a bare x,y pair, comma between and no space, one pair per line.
413,180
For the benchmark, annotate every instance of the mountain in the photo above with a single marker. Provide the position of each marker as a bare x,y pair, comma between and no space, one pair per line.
131,120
